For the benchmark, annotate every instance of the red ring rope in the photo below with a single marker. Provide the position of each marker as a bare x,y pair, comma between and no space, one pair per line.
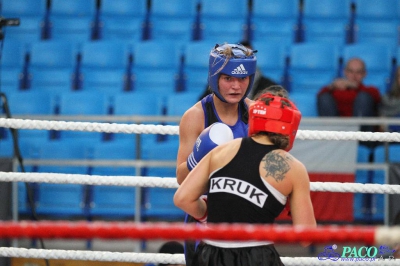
179,231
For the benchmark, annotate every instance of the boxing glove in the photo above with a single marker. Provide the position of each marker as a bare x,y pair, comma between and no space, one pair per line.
212,136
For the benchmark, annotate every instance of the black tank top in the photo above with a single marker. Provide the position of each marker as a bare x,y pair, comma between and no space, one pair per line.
237,193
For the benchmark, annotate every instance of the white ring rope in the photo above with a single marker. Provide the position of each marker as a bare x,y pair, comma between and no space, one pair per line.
139,181
174,130
158,258
168,182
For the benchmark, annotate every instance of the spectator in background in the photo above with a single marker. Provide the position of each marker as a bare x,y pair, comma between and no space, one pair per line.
260,81
348,96
390,106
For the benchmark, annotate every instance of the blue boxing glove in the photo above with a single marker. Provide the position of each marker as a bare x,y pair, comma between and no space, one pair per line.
212,136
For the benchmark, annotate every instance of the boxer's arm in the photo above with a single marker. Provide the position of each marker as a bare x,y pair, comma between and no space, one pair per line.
301,207
188,196
190,127
300,200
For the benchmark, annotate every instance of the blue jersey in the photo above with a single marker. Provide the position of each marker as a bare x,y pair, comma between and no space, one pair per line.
240,129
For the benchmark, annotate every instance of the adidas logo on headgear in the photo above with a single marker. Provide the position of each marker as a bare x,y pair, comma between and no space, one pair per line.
240,70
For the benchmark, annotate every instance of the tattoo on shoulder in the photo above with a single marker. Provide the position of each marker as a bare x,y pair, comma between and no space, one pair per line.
276,165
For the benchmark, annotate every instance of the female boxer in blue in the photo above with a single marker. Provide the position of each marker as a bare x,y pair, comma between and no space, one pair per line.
231,73
230,77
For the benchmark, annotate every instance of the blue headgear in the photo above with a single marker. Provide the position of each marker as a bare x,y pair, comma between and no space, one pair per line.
237,65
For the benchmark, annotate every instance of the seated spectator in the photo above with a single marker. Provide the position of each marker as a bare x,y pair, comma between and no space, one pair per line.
390,106
348,96
260,81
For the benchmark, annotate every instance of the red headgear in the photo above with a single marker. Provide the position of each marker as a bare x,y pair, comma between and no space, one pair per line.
275,117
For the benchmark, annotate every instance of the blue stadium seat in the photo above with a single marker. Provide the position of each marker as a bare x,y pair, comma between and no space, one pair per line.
115,28
64,150
118,149
112,202
107,81
378,60
158,204
61,200
274,20
73,20
377,10
271,59
312,65
75,29
178,103
231,14
162,82
180,31
53,81
133,103
139,104
376,20
306,102
156,71
53,54
24,8
77,103
163,55
386,32
104,65
122,19
13,54
73,8
173,9
52,65
106,54
173,20
195,67
233,31
29,30
31,103
161,150
326,20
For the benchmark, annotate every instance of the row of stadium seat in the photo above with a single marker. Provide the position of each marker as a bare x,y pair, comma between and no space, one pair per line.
164,68
287,21
97,202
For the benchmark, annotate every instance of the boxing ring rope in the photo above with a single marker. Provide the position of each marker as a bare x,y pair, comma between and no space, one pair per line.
125,230
278,234
168,182
156,258
174,130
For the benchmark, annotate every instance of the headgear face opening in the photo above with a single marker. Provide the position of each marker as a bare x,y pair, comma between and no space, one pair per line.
240,64
276,117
